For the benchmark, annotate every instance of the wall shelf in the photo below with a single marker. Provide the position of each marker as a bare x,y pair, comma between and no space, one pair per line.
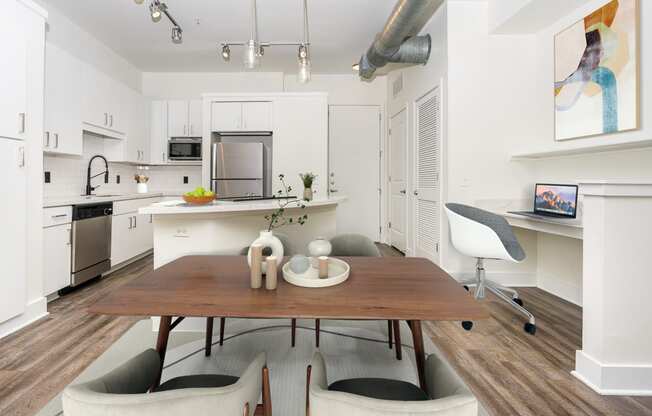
546,154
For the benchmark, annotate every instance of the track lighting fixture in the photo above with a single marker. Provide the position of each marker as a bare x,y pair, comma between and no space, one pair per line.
157,9
177,34
255,49
139,1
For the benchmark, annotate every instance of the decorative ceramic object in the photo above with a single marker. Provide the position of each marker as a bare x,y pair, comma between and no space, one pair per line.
141,188
323,267
299,264
320,247
271,279
255,265
338,272
307,194
267,239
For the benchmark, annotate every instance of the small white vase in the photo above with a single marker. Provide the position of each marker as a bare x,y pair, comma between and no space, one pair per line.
320,247
267,239
307,194
141,188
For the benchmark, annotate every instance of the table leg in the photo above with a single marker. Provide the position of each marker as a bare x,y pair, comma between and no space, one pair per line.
162,343
417,339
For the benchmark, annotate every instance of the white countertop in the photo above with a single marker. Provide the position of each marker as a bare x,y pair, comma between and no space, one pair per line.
180,207
82,199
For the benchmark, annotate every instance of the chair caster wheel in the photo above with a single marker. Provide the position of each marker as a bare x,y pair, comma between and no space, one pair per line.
530,328
467,325
518,301
466,288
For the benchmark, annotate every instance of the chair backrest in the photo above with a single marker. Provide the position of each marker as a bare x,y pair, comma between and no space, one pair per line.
124,391
448,393
482,234
353,245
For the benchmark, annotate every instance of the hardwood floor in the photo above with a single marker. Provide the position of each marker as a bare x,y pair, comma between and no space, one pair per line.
510,372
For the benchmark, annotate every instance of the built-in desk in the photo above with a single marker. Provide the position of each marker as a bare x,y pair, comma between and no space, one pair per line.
571,228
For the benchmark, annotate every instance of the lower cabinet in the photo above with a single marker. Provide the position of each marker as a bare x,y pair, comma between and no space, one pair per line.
57,247
131,236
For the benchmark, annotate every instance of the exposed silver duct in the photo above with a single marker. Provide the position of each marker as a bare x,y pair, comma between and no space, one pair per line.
396,42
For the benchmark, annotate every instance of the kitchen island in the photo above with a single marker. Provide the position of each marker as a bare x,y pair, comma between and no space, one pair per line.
226,227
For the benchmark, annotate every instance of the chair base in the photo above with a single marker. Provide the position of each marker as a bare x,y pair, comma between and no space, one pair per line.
508,295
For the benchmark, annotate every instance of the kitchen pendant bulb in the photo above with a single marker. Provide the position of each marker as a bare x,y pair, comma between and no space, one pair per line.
303,76
355,67
303,52
251,58
155,11
177,34
139,1
226,53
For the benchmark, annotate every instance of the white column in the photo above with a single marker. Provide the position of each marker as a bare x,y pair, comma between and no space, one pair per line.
616,354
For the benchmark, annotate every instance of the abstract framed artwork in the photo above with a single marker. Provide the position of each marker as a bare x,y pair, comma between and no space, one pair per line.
596,73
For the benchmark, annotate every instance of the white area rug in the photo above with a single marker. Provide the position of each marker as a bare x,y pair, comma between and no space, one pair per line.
351,349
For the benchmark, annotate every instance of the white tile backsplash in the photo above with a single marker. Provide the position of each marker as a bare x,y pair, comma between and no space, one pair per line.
68,174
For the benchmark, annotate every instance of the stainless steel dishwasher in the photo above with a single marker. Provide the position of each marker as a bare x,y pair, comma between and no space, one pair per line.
91,241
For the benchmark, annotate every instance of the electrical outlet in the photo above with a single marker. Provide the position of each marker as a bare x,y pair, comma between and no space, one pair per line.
181,233
48,177
117,178
185,179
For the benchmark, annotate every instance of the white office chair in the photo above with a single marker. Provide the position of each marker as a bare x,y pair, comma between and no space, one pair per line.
484,235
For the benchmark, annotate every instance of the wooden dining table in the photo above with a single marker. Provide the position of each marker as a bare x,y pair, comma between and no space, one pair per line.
378,288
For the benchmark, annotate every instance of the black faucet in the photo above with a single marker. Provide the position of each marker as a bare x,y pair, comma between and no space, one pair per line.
89,188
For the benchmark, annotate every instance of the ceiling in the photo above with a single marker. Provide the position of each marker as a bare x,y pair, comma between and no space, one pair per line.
340,31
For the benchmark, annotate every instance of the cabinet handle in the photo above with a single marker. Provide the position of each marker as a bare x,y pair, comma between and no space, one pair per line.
135,223
21,116
47,139
164,157
184,129
59,216
151,218
111,120
131,222
56,140
106,118
21,157
191,129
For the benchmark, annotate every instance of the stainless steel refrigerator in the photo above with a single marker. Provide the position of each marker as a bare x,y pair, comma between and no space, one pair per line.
237,170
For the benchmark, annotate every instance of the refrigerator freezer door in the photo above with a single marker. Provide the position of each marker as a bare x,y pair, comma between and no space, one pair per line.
237,161
230,188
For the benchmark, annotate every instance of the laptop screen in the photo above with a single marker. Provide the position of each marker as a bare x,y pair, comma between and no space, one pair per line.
556,200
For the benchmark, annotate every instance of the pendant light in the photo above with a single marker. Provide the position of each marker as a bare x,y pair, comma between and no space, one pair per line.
303,74
251,55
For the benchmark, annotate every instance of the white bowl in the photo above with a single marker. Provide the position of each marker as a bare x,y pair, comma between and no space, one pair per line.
338,272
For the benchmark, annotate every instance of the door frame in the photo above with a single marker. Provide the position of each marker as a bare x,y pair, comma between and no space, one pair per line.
408,183
443,166
382,168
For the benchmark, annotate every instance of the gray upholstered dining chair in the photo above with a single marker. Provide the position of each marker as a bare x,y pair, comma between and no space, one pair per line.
446,394
357,245
124,392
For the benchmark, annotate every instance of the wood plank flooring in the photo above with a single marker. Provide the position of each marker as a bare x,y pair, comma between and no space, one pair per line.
511,373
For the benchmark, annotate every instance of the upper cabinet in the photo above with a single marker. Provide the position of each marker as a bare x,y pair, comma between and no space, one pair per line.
158,132
241,116
13,44
137,146
185,118
102,109
63,129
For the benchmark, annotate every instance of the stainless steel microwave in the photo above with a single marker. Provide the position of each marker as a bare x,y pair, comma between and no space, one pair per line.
184,149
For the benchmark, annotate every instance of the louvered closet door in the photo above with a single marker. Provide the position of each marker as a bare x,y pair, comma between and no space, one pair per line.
428,167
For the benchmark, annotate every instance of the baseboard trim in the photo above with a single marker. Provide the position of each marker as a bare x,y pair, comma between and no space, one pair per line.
505,279
561,289
35,310
128,262
611,379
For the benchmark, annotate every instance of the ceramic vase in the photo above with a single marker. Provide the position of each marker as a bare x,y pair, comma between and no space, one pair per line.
307,194
320,247
267,239
141,188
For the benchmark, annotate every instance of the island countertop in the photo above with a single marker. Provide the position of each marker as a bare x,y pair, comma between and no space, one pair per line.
180,207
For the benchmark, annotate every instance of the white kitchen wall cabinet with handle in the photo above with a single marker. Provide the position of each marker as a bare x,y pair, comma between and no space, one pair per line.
185,118
158,132
57,248
13,98
241,116
13,238
138,141
103,103
63,129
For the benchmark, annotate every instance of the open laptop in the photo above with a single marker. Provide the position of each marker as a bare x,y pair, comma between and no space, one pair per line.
553,200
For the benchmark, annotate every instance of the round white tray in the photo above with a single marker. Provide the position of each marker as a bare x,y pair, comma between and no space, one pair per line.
338,272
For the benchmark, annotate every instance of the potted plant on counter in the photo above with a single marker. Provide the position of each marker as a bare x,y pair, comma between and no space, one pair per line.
308,179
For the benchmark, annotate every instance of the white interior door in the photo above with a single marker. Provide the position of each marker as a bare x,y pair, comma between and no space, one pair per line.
398,181
354,166
427,202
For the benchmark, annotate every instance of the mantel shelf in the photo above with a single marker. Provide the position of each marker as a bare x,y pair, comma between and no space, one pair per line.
545,154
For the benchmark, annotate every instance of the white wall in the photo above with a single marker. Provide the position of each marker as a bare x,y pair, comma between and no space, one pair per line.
67,35
186,85
344,89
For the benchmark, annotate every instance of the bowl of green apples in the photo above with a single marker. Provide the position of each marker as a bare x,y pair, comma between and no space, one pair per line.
199,196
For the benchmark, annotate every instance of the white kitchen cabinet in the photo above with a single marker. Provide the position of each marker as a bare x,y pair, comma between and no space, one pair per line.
63,129
184,118
241,116
137,140
131,233
13,238
103,103
158,132
122,238
13,82
257,116
57,246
